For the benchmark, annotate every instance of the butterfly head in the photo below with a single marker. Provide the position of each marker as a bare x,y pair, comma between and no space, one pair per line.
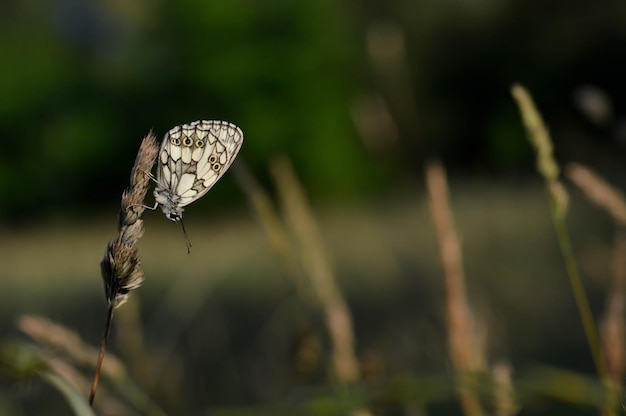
173,213
174,216
172,210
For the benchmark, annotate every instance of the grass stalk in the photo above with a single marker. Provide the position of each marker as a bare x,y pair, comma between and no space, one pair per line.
612,201
504,391
318,267
273,228
103,348
464,350
64,351
121,265
305,259
547,166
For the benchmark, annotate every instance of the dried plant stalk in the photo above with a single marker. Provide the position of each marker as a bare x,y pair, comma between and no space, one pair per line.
538,134
613,325
599,191
465,352
547,166
274,229
49,334
611,200
64,351
317,266
121,265
504,393
539,137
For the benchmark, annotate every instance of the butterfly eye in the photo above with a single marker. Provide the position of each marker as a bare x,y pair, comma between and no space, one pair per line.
212,159
187,141
216,167
199,143
175,141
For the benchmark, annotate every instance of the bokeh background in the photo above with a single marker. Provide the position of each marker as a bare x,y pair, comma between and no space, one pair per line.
359,96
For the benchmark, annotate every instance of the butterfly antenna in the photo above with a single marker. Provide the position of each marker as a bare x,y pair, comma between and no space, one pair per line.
186,237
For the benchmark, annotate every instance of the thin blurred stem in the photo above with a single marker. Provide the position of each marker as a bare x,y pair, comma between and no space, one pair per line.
103,348
463,345
74,398
607,197
121,266
580,295
613,322
306,259
611,200
547,166
504,392
50,336
274,229
317,266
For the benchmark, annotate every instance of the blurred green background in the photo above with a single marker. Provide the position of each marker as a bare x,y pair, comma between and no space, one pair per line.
358,95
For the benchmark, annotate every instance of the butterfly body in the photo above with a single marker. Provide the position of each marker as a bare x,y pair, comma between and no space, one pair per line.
191,159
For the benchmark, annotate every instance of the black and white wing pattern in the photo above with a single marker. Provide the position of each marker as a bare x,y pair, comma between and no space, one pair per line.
191,159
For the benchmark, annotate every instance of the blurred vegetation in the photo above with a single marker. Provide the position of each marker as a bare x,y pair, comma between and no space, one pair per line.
357,97
87,80
83,82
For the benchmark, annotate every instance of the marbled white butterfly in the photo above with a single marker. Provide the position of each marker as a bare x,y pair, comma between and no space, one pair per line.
191,159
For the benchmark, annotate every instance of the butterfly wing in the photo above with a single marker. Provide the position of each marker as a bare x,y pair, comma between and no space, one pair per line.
193,157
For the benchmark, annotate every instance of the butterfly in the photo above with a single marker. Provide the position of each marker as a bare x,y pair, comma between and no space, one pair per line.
191,159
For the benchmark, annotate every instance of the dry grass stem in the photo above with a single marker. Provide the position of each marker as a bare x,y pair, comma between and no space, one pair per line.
465,353
64,351
317,266
121,265
537,133
306,259
539,137
66,370
504,393
613,321
610,199
262,206
50,334
546,164
599,191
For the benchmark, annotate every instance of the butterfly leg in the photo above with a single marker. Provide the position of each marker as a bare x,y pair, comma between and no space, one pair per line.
156,204
149,175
